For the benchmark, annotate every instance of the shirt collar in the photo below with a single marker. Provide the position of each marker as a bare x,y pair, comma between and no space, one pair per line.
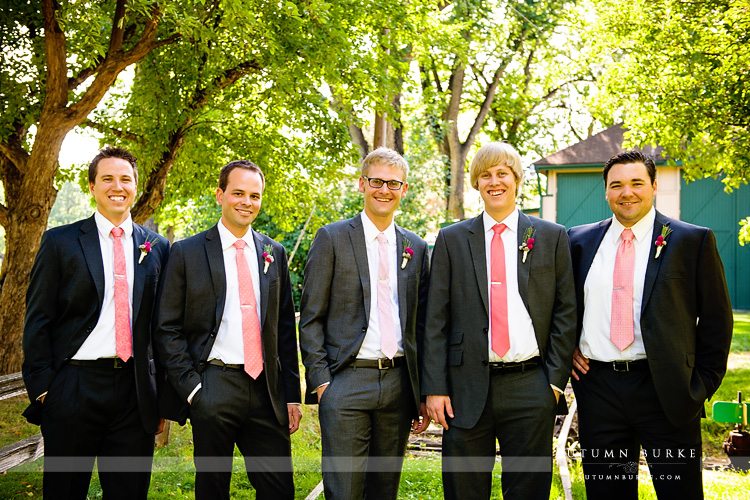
371,232
228,239
511,221
104,226
641,229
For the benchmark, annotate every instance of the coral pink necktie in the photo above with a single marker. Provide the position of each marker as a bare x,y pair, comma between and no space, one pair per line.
498,293
250,324
621,328
123,341
388,343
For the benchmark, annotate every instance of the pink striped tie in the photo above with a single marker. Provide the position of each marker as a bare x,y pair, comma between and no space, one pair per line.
388,343
499,293
248,305
123,341
621,329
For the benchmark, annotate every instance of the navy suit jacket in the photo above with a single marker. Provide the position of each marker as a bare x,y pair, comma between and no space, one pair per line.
686,314
64,301
190,308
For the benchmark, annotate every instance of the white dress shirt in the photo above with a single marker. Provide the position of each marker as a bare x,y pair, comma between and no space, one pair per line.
523,344
371,345
101,341
228,346
597,293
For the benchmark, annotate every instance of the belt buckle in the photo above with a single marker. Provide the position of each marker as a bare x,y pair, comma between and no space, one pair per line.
616,366
381,366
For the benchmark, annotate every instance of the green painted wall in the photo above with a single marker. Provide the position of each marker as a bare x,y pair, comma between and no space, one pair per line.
580,199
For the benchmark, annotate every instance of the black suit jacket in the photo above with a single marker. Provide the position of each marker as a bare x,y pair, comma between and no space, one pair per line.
456,350
191,305
64,301
686,314
335,304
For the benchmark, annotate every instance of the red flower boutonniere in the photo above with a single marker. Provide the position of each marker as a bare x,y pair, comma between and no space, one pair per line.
661,240
406,254
145,249
267,257
528,243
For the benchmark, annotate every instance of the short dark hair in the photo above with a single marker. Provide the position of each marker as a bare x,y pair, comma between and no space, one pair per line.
632,156
247,165
112,152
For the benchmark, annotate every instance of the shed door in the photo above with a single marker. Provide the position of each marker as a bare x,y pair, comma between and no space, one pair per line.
580,199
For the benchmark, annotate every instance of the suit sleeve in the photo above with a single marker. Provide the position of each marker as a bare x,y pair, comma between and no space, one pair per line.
40,320
424,285
437,323
287,337
169,336
314,309
562,330
715,320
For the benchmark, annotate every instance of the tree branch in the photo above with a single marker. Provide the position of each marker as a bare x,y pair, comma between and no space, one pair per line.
115,39
4,216
57,68
14,152
114,131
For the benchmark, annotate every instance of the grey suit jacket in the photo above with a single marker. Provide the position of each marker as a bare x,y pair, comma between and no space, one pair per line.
191,305
686,314
335,303
456,349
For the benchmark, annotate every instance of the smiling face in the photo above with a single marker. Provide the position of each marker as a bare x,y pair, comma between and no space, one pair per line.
380,204
629,192
497,185
114,189
240,201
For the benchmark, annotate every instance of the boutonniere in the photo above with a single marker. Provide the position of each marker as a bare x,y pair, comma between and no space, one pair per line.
406,254
528,243
661,240
145,249
267,257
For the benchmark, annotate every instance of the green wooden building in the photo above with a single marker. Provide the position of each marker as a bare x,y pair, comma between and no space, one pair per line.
575,195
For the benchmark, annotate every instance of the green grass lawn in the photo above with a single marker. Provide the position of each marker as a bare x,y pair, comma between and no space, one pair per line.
174,472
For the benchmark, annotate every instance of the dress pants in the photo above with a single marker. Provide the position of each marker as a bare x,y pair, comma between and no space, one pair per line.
365,419
618,413
92,413
233,408
520,414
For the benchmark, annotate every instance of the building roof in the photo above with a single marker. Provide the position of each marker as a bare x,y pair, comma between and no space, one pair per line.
596,150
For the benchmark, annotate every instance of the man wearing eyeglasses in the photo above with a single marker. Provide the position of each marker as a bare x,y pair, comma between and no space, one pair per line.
362,317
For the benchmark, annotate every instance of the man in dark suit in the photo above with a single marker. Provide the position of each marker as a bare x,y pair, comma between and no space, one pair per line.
226,336
499,337
88,361
362,316
654,329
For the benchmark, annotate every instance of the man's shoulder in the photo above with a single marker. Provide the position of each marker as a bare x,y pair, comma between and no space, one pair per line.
152,236
585,231
267,240
544,225
197,240
72,228
413,237
461,227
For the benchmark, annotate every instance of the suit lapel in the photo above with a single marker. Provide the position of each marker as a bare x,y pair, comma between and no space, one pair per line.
92,252
262,278
402,275
479,258
652,268
215,257
523,267
139,270
359,247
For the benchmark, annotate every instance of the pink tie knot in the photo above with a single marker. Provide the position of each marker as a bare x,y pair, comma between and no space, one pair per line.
627,234
382,239
117,231
239,244
499,228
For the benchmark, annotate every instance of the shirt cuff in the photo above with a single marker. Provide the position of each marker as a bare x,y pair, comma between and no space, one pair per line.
39,398
321,385
557,389
197,388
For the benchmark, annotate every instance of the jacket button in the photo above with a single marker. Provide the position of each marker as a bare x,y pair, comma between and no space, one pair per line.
364,329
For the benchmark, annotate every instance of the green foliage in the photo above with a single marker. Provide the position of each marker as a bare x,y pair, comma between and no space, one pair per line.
679,77
744,231
71,205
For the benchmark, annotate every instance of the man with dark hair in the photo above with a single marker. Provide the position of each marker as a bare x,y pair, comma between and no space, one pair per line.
361,323
88,360
654,329
226,335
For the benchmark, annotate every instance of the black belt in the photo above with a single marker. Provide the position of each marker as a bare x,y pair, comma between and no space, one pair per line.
227,366
103,362
621,366
518,367
381,364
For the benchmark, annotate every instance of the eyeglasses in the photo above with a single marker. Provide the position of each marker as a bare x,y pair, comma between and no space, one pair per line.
375,183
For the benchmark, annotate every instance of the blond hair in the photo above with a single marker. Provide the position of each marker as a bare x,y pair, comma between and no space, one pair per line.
384,156
493,155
